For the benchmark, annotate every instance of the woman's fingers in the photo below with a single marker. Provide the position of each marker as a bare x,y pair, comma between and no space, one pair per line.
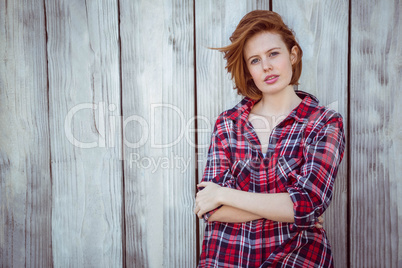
203,184
319,226
206,198
199,215
320,221
198,212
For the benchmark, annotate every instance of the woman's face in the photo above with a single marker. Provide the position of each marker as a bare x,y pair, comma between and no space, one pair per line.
269,62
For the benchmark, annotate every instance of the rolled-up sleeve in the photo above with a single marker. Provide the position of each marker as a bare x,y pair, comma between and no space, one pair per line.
312,185
218,164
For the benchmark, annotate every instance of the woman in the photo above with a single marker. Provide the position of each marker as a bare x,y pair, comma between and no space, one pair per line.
273,158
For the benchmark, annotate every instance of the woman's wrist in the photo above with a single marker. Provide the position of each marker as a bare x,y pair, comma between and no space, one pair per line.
222,196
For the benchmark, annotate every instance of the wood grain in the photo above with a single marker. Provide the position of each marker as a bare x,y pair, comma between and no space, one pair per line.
215,23
321,29
158,104
84,107
376,134
25,182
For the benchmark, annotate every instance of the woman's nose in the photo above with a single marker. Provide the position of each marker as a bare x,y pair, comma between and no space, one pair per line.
266,65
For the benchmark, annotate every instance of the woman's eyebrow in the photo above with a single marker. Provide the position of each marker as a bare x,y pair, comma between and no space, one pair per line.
265,52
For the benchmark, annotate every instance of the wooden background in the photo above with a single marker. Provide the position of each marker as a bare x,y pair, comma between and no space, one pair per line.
106,111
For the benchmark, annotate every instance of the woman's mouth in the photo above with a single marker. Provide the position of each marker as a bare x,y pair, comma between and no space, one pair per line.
271,79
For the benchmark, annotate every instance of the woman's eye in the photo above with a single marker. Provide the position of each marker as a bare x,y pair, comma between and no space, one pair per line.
273,54
254,61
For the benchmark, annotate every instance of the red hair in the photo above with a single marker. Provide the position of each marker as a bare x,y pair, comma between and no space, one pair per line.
252,23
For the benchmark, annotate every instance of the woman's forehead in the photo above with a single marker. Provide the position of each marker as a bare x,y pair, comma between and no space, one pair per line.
262,42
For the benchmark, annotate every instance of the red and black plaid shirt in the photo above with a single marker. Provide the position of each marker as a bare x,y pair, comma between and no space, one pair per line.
304,152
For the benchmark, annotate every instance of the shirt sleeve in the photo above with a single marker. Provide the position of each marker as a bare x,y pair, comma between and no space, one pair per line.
311,186
218,164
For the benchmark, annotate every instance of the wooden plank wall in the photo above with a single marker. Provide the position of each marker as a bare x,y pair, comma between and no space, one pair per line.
84,84
98,155
25,174
157,62
376,134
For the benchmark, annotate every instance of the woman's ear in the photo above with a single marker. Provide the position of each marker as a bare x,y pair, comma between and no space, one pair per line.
293,54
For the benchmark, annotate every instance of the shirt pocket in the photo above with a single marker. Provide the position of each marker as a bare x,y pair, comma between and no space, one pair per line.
241,171
284,169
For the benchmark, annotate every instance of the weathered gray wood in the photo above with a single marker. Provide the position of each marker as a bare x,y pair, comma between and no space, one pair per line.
215,23
321,29
25,182
84,107
376,145
158,105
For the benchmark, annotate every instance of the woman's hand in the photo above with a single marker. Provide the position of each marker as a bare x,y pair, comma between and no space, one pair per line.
319,222
207,199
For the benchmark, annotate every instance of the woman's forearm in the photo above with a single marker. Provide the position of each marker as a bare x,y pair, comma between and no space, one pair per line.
275,206
232,215
283,212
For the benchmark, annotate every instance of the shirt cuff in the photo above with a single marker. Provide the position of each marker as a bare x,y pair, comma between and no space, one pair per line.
209,213
304,215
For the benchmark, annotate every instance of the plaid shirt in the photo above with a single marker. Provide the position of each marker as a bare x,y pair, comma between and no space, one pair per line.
304,152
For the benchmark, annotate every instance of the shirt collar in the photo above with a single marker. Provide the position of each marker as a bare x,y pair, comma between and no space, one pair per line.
300,113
